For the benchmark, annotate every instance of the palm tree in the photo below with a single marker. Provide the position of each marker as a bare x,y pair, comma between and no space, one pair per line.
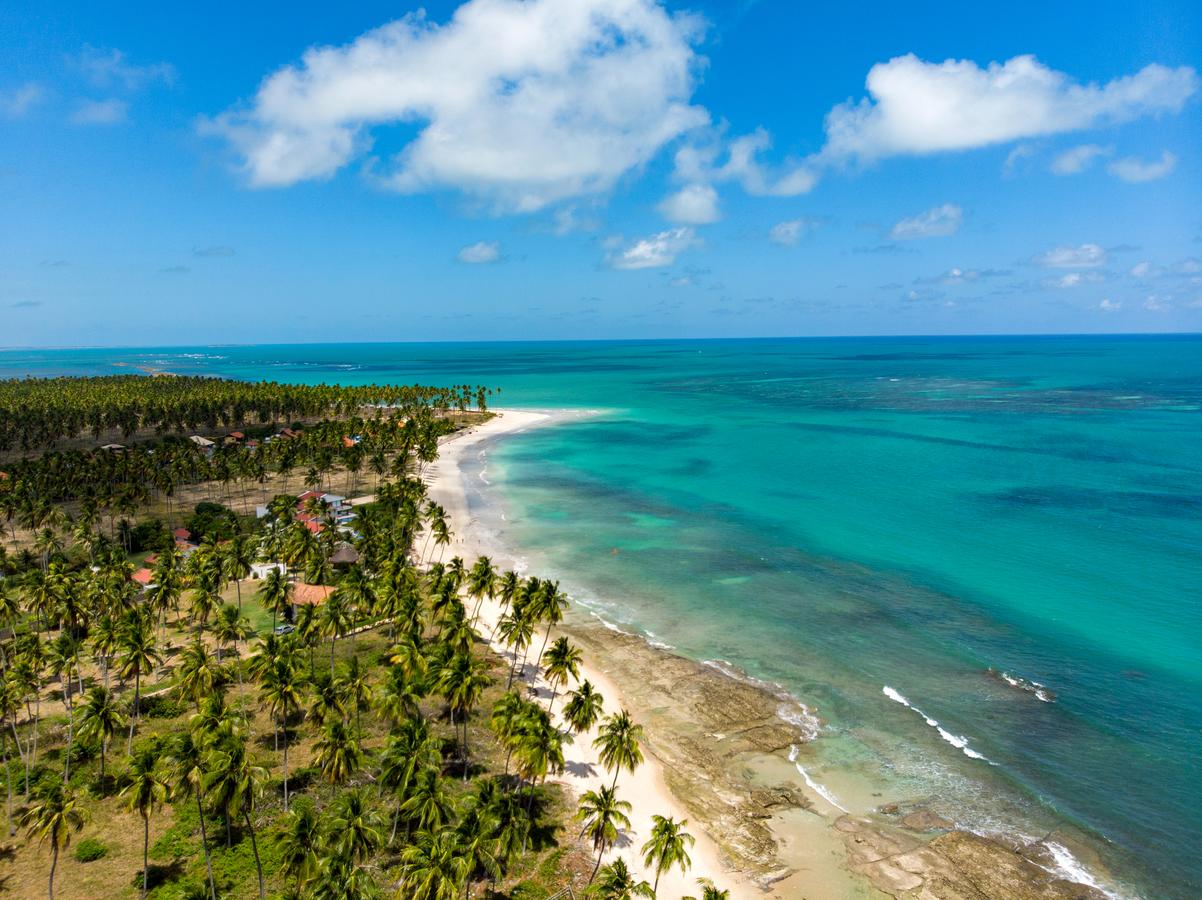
516,630
603,814
410,749
337,753
139,656
618,741
233,782
462,682
230,627
144,790
667,846
237,559
583,708
101,716
53,817
280,692
710,891
199,675
276,593
355,684
434,866
186,762
355,825
429,804
560,663
615,881
299,841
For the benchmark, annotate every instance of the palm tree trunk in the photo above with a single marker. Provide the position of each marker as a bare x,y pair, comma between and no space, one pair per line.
204,843
285,763
129,744
254,845
145,853
53,866
8,782
600,853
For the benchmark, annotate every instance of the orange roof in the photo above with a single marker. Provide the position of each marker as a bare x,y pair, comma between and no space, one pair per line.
315,527
182,534
237,435
310,594
143,576
347,442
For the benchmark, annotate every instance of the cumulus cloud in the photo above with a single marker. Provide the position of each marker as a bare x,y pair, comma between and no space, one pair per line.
1156,303
1135,170
1078,159
694,204
520,104
790,232
1108,305
919,107
480,252
108,69
100,112
1145,270
739,161
1086,256
17,102
1074,279
654,251
939,221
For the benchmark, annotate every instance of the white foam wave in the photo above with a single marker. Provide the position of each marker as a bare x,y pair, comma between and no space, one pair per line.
791,709
822,791
958,741
1068,867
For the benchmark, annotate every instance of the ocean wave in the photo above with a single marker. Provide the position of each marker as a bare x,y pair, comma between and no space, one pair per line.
957,741
791,710
822,791
1037,690
1068,866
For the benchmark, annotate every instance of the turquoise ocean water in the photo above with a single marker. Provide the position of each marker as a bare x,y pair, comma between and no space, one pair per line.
867,521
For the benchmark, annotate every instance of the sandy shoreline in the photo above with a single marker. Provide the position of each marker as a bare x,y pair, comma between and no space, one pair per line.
719,753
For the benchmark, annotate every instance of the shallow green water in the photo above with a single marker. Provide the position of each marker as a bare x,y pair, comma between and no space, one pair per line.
842,516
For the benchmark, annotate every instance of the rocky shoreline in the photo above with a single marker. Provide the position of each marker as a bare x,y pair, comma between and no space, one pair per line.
712,733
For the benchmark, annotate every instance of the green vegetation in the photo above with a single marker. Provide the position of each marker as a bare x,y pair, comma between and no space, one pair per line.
374,743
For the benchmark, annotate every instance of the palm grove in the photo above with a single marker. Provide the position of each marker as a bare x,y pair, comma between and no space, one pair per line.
369,744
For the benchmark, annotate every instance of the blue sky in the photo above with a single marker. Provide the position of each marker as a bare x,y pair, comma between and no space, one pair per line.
596,168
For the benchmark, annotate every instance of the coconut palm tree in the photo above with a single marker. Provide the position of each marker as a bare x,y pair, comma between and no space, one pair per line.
101,715
710,891
462,682
186,761
139,655
337,753
144,789
233,782
583,708
516,630
355,683
429,805
667,846
434,867
618,743
199,673
55,814
280,692
230,627
275,593
356,827
237,558
561,662
603,814
299,841
615,881
410,749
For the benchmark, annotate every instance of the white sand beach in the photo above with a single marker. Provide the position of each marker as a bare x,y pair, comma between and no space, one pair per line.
646,790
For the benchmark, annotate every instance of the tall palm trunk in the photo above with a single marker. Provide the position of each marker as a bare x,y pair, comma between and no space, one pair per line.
254,845
129,744
53,866
145,854
204,843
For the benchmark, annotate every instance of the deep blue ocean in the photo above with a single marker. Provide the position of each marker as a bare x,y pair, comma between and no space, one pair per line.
867,521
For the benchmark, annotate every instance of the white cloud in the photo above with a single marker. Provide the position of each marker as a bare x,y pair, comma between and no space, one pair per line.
694,204
521,104
1017,159
959,276
1075,279
1135,170
109,69
480,252
17,102
939,221
1156,303
790,232
1078,159
1145,270
1086,256
699,163
654,251
100,112
1108,305
917,107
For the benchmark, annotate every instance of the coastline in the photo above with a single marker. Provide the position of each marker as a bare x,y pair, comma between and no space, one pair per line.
721,751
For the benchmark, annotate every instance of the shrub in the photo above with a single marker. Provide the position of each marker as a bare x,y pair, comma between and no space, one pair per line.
90,849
